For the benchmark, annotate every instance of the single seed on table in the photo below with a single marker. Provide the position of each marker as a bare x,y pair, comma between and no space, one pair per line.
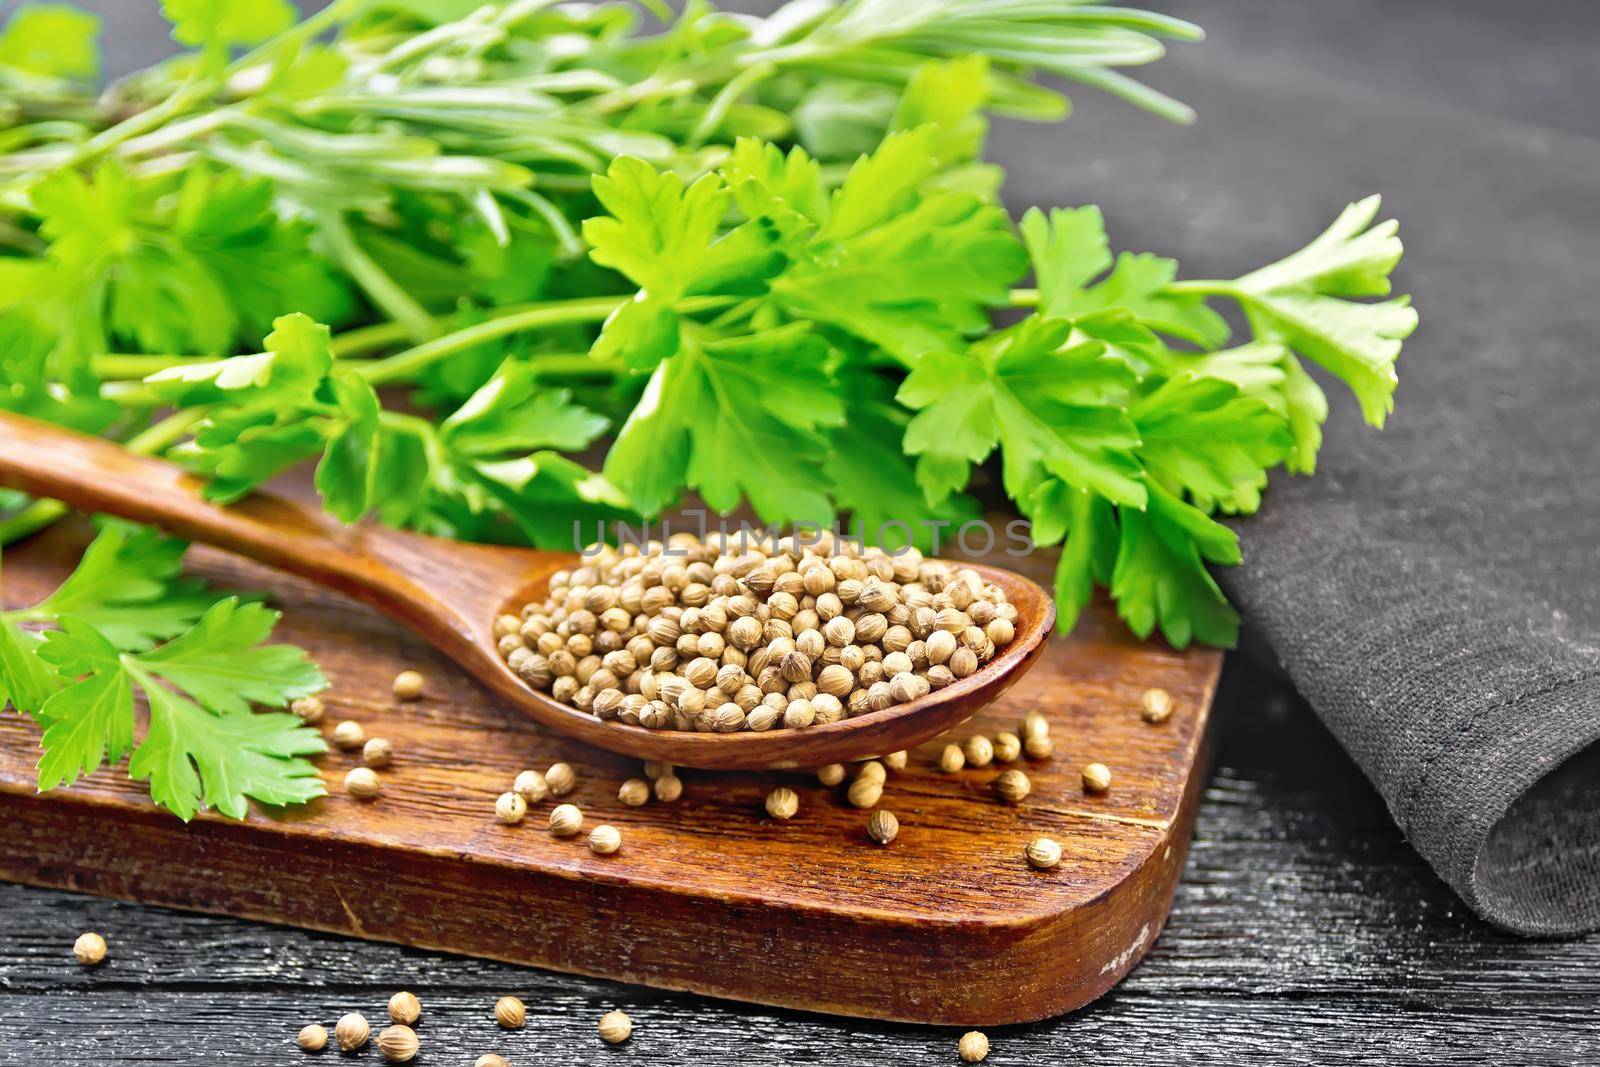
973,1046
1007,747
509,1013
635,792
1035,725
604,840
348,735
405,1008
865,793
1096,778
362,783
831,775
615,1027
1043,853
531,786
1038,746
979,751
952,759
654,769
398,1043
377,752
560,779
1012,786
511,808
882,826
872,771
408,685
782,803
1155,705
491,1060
89,948
669,787
895,761
313,1038
351,1031
309,709
565,820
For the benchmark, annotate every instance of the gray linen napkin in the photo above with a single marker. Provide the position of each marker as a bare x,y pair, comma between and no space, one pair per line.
1435,590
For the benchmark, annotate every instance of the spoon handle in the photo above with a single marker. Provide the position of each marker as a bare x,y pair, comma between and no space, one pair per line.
92,474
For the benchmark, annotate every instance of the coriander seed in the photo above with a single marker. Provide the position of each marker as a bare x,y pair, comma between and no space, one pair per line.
882,826
531,787
565,820
895,761
1043,853
405,1008
491,1060
377,752
831,775
1038,746
973,1046
872,770
351,1031
89,949
312,1038
309,709
1035,725
1007,747
669,787
510,809
654,769
952,759
782,803
408,685
362,783
560,779
979,751
615,1027
1012,786
398,1043
348,735
1155,705
604,839
635,792
865,792
510,1014
1096,778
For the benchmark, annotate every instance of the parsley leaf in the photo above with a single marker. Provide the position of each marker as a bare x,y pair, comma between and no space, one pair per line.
222,23
51,40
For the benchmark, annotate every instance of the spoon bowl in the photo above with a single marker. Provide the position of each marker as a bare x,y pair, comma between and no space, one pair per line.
450,592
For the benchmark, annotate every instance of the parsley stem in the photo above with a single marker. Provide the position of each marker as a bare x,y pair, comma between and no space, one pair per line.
1024,298
1199,287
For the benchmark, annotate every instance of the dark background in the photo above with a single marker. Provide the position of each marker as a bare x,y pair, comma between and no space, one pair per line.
1305,929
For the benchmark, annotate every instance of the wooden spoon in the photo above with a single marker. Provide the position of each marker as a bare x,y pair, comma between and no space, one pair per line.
451,591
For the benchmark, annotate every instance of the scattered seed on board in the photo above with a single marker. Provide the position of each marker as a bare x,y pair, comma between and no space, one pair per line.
604,840
654,768
348,735
309,709
352,1031
560,778
405,1008
511,808
491,1060
872,771
865,793
89,949
1012,786
408,685
974,1047
1035,725
831,775
1155,705
313,1038
635,792
1096,778
896,761
363,783
531,786
377,752
615,1027
1043,853
882,826
509,1013
398,1043
782,803
565,820
979,751
1007,747
1038,746
952,759
669,787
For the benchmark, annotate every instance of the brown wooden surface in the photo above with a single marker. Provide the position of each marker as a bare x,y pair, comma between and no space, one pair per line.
450,593
947,924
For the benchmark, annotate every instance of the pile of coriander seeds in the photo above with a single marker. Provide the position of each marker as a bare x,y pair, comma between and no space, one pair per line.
735,633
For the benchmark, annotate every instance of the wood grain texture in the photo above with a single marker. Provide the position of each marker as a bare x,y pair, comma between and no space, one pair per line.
450,592
948,924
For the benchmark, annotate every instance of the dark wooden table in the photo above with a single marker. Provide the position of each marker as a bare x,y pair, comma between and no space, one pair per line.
1306,930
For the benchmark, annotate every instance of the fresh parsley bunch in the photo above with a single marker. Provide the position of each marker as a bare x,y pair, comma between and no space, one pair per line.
765,254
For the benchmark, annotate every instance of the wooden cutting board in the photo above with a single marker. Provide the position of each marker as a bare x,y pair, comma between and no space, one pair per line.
948,924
